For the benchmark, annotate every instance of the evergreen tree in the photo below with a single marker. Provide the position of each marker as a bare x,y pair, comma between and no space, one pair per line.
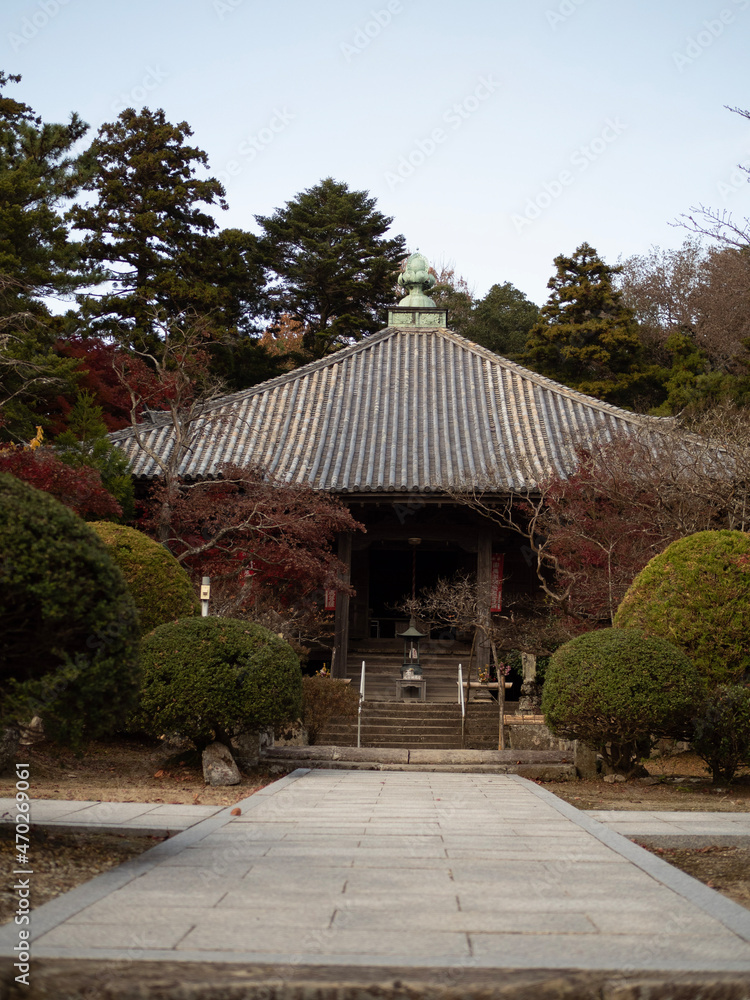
38,173
242,360
501,321
32,373
150,243
452,292
85,443
333,269
586,337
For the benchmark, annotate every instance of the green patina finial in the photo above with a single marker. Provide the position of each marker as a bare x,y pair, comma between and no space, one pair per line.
416,279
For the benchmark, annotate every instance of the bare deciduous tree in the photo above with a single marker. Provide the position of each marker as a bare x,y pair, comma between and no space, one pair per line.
171,383
719,224
590,533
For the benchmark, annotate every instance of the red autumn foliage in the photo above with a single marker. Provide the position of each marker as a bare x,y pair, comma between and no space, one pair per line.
179,384
78,488
96,363
286,530
596,530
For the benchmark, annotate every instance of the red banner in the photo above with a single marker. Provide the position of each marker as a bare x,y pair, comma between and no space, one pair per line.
330,600
496,585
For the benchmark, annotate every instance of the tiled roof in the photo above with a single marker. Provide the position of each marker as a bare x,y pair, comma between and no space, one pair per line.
412,411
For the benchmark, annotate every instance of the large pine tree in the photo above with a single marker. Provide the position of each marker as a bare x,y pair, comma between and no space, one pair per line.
151,244
587,337
332,268
38,173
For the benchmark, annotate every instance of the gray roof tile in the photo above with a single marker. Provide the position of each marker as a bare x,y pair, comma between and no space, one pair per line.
403,411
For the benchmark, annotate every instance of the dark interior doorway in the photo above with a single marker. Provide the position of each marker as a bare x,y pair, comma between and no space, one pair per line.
391,579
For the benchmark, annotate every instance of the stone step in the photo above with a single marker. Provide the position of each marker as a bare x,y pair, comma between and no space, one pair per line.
534,772
398,724
536,765
409,708
386,730
414,744
420,726
383,671
442,742
412,756
404,718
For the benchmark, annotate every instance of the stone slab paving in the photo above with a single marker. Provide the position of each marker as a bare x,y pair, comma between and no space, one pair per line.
422,871
678,829
165,818
127,817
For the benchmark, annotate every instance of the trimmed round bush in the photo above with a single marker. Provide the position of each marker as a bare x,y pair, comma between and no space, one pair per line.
696,594
721,736
69,633
211,678
161,588
617,689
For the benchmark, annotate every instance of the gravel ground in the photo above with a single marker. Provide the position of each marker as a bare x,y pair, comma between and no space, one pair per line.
726,869
127,770
61,861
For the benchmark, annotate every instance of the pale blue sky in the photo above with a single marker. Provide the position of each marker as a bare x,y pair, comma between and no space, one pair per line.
521,128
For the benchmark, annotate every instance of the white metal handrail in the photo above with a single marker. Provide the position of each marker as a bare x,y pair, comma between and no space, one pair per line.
461,701
359,709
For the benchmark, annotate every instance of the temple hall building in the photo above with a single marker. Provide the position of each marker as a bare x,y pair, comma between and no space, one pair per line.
394,425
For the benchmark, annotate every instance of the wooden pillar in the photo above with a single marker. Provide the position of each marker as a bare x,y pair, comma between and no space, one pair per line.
484,590
341,635
359,616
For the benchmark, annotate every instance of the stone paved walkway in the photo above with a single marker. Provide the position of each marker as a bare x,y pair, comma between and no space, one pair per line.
155,818
408,870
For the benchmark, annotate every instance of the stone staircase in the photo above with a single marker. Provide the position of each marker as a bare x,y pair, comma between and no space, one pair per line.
383,669
424,736
421,725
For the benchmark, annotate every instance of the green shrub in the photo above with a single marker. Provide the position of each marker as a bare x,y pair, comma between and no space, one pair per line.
161,588
323,699
721,736
69,635
211,678
617,689
696,594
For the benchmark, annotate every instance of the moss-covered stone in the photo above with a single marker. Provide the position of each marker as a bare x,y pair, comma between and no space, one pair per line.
696,594
209,678
161,588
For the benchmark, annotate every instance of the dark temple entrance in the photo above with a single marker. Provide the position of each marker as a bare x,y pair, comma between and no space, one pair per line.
391,579
447,538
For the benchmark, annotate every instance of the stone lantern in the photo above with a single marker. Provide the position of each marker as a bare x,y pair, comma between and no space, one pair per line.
411,668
